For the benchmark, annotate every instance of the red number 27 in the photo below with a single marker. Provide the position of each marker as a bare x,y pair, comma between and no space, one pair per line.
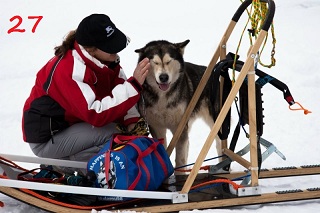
16,28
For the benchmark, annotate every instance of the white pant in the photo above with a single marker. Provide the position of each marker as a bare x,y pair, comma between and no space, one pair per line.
78,142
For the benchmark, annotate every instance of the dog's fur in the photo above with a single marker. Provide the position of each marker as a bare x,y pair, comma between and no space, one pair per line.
167,91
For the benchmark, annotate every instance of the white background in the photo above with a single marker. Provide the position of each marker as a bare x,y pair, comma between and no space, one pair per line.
203,22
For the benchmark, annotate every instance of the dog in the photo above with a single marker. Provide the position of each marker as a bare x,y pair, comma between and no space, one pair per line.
167,91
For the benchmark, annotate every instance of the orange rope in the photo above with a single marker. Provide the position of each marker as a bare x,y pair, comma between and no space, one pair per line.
74,206
61,203
189,170
4,177
235,186
56,202
305,111
8,162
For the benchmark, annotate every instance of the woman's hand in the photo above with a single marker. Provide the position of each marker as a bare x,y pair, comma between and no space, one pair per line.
141,71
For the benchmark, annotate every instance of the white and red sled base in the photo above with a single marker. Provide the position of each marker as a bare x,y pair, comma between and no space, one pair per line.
156,201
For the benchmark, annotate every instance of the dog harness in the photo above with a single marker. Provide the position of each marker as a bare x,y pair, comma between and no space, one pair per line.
219,96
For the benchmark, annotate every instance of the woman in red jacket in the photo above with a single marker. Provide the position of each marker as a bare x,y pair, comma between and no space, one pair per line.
81,93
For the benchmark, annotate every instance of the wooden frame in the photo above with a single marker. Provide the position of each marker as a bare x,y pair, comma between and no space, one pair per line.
246,71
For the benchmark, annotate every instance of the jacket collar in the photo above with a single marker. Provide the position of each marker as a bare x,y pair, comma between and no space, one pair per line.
88,59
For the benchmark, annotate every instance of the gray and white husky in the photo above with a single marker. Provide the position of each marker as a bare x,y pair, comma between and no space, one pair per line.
167,91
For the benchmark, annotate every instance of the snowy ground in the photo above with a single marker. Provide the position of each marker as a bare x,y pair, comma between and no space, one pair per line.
203,22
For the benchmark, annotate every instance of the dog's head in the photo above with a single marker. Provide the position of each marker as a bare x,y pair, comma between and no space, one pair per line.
166,61
102,176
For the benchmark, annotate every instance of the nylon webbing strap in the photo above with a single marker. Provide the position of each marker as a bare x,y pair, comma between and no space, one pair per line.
215,100
266,78
221,70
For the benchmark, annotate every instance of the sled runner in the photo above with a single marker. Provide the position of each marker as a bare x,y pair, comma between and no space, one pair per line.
211,197
196,190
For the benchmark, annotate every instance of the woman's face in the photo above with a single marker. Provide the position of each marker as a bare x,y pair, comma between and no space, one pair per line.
103,56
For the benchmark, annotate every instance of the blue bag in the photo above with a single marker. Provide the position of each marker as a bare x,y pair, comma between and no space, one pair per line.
132,163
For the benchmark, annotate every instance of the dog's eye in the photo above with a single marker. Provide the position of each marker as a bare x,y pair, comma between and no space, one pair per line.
167,63
156,63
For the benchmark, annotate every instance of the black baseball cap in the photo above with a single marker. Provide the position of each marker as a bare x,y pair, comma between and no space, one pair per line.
97,30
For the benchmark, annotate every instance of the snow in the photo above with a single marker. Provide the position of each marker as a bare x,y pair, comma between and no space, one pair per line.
297,52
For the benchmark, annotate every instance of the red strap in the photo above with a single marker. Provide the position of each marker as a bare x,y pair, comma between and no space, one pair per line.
138,162
22,176
162,163
160,159
125,139
121,139
107,166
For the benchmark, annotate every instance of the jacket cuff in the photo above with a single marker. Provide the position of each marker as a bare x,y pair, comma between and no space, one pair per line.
130,121
135,84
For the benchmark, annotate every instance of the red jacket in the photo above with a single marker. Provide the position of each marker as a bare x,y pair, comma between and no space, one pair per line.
78,88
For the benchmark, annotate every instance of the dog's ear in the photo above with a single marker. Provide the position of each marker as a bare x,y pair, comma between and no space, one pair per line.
140,51
181,46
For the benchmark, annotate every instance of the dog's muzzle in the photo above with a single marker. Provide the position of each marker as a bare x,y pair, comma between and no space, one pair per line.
164,85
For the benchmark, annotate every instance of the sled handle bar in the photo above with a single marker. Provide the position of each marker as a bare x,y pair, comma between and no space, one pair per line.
270,14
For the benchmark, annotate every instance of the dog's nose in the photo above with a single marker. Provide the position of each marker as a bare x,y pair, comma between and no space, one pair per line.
164,78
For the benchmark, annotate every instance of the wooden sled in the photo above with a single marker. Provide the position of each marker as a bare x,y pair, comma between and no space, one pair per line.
181,198
157,201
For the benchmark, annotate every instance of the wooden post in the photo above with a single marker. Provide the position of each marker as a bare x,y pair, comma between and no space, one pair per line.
252,123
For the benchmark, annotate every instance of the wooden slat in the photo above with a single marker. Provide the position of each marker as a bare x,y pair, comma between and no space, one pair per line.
234,157
253,123
272,173
34,201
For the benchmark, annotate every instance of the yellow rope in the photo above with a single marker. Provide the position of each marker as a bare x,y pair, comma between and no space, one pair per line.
238,48
257,16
